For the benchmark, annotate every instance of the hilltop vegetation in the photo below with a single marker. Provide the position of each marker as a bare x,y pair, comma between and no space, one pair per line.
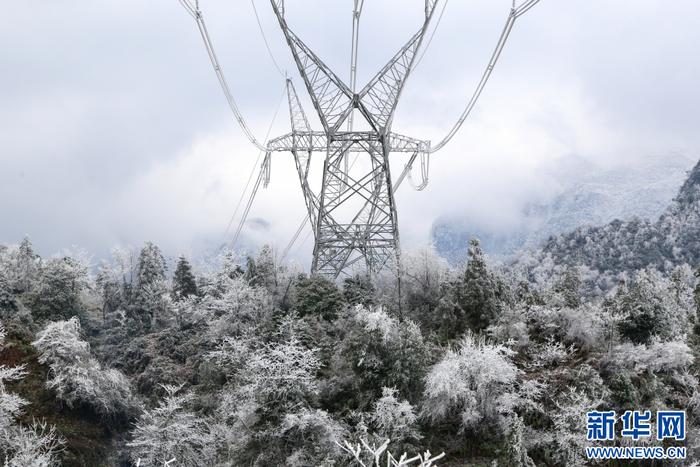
249,362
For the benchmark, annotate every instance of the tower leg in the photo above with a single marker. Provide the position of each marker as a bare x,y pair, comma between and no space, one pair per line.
357,222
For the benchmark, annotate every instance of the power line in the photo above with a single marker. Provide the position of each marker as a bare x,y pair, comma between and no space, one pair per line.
432,35
515,13
267,44
257,183
294,238
196,13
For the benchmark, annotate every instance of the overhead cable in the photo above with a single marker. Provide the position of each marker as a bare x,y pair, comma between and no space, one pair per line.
196,13
515,13
267,44
256,186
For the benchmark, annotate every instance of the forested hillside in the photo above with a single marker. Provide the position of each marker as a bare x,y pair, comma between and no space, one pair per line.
585,194
249,362
626,245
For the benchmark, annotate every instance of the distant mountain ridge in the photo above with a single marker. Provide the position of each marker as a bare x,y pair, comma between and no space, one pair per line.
670,240
589,196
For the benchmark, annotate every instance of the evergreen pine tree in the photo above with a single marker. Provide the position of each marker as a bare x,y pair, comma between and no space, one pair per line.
151,266
26,267
479,292
318,296
150,283
262,271
359,290
644,313
56,294
184,283
569,287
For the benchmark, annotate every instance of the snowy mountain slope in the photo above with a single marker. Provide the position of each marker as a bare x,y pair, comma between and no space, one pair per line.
588,195
665,242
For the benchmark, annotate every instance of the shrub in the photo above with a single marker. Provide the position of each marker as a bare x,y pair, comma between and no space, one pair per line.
171,431
318,296
76,376
475,382
38,444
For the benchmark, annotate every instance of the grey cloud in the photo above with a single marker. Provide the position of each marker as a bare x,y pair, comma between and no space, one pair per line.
108,106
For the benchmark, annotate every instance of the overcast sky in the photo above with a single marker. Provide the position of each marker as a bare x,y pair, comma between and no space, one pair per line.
113,129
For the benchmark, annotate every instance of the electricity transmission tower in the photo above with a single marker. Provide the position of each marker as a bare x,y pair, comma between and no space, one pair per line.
354,217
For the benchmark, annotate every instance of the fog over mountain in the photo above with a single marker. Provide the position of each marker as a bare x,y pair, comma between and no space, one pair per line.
583,194
114,131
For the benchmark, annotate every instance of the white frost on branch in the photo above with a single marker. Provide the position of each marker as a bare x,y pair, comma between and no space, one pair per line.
366,455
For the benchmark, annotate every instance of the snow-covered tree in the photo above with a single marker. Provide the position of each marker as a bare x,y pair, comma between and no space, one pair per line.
381,351
696,293
231,306
569,423
262,271
568,287
395,419
56,294
8,303
172,433
318,296
24,266
151,287
479,294
76,376
184,283
315,435
359,290
473,386
650,308
36,445
425,281
368,454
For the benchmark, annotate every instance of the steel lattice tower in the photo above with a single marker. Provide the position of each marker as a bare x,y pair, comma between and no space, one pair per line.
354,216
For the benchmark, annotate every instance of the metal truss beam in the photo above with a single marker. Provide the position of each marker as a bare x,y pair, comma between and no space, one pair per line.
317,141
301,133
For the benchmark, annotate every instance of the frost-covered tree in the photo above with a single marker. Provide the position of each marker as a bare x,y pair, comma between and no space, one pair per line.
76,376
649,309
318,296
369,454
425,282
231,306
569,423
395,419
57,292
151,287
36,445
24,266
184,283
10,404
359,290
151,266
8,303
262,271
172,432
479,293
273,386
380,351
473,386
568,287
696,293
115,282
655,375
314,434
